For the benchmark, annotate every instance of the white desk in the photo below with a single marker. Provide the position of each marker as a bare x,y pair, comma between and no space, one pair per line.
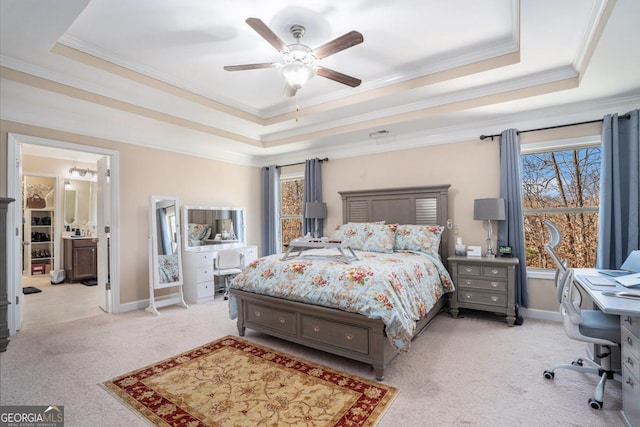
629,312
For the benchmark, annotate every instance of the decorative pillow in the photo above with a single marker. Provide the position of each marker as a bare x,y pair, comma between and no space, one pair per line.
424,238
198,231
367,236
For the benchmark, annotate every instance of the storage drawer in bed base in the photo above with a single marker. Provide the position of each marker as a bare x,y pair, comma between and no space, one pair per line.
345,334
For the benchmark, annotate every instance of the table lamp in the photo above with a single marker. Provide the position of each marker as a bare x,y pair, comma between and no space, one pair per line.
489,210
315,210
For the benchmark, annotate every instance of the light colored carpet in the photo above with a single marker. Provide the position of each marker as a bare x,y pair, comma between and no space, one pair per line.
472,371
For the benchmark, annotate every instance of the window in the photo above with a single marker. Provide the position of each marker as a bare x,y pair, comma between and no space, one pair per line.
291,209
562,185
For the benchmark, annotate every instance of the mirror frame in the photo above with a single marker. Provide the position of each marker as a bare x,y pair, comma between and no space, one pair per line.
154,272
222,244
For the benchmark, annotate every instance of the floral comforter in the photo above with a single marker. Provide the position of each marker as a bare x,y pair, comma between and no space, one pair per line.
399,288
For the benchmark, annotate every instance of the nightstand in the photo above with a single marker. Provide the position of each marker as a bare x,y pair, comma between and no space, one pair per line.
486,284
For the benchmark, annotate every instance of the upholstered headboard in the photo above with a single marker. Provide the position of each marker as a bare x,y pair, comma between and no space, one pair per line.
407,205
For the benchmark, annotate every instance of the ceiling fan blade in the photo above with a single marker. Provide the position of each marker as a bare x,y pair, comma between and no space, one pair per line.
266,33
343,42
338,77
250,66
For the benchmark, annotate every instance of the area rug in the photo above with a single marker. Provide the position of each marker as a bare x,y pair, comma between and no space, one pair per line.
233,382
30,290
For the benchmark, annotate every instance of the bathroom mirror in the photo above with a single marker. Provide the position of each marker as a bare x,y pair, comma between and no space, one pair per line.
213,226
80,203
165,267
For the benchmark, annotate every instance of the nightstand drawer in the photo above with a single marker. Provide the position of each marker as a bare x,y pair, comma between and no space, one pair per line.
500,272
487,298
469,270
494,285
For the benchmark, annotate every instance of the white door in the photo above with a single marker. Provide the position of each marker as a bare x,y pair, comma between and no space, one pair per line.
104,224
15,257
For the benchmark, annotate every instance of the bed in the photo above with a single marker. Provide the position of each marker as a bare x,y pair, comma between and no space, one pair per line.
331,313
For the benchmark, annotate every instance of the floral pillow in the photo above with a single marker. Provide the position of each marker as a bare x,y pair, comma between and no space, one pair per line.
367,236
198,231
423,238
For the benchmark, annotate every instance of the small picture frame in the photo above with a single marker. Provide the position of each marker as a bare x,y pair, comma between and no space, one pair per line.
474,251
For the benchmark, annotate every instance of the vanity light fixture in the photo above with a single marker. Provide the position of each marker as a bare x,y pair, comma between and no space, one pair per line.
78,172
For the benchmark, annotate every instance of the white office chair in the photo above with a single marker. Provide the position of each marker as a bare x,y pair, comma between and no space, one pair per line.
561,263
591,326
228,262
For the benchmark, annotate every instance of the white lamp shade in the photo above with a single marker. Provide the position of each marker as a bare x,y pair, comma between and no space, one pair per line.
489,209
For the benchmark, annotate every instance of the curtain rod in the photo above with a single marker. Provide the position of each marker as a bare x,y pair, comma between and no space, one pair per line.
625,116
326,159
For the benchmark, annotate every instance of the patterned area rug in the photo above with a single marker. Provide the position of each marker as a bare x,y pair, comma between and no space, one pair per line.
233,382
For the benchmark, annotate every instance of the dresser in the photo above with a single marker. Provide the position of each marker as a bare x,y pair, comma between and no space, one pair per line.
486,284
630,335
199,282
80,258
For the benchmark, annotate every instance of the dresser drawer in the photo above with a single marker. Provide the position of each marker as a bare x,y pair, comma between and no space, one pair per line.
206,289
487,298
630,363
205,259
336,334
469,270
632,324
204,274
630,342
283,321
494,285
630,398
500,272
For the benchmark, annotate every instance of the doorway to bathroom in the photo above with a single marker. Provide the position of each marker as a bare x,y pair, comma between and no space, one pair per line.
91,213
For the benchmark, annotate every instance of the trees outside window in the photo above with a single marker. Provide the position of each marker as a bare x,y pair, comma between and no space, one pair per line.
563,186
291,209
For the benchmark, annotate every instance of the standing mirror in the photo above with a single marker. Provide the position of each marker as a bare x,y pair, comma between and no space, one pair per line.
165,266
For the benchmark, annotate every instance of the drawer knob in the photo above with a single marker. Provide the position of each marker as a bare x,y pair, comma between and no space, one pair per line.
629,361
495,284
495,299
494,271
630,382
316,329
258,314
468,270
468,282
629,320
468,296
282,320
629,340
348,336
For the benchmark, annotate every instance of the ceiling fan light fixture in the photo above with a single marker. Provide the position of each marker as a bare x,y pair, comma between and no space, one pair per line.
297,74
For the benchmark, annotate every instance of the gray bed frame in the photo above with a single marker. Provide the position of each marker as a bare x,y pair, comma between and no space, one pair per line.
348,334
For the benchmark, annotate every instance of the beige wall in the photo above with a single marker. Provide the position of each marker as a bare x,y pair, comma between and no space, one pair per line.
145,171
470,167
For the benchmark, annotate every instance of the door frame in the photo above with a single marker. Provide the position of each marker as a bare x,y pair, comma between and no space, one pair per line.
14,218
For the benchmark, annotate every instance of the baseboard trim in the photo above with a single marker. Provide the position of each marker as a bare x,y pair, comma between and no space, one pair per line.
529,313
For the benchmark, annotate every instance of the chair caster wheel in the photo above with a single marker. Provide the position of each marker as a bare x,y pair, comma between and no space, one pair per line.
578,362
226,298
549,375
595,404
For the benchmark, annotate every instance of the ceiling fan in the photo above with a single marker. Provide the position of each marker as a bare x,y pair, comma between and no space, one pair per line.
299,60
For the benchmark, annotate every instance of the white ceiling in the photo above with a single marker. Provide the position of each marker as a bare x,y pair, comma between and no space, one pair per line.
149,72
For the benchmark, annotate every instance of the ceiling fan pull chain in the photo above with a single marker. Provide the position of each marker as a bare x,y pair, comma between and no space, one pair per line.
297,108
